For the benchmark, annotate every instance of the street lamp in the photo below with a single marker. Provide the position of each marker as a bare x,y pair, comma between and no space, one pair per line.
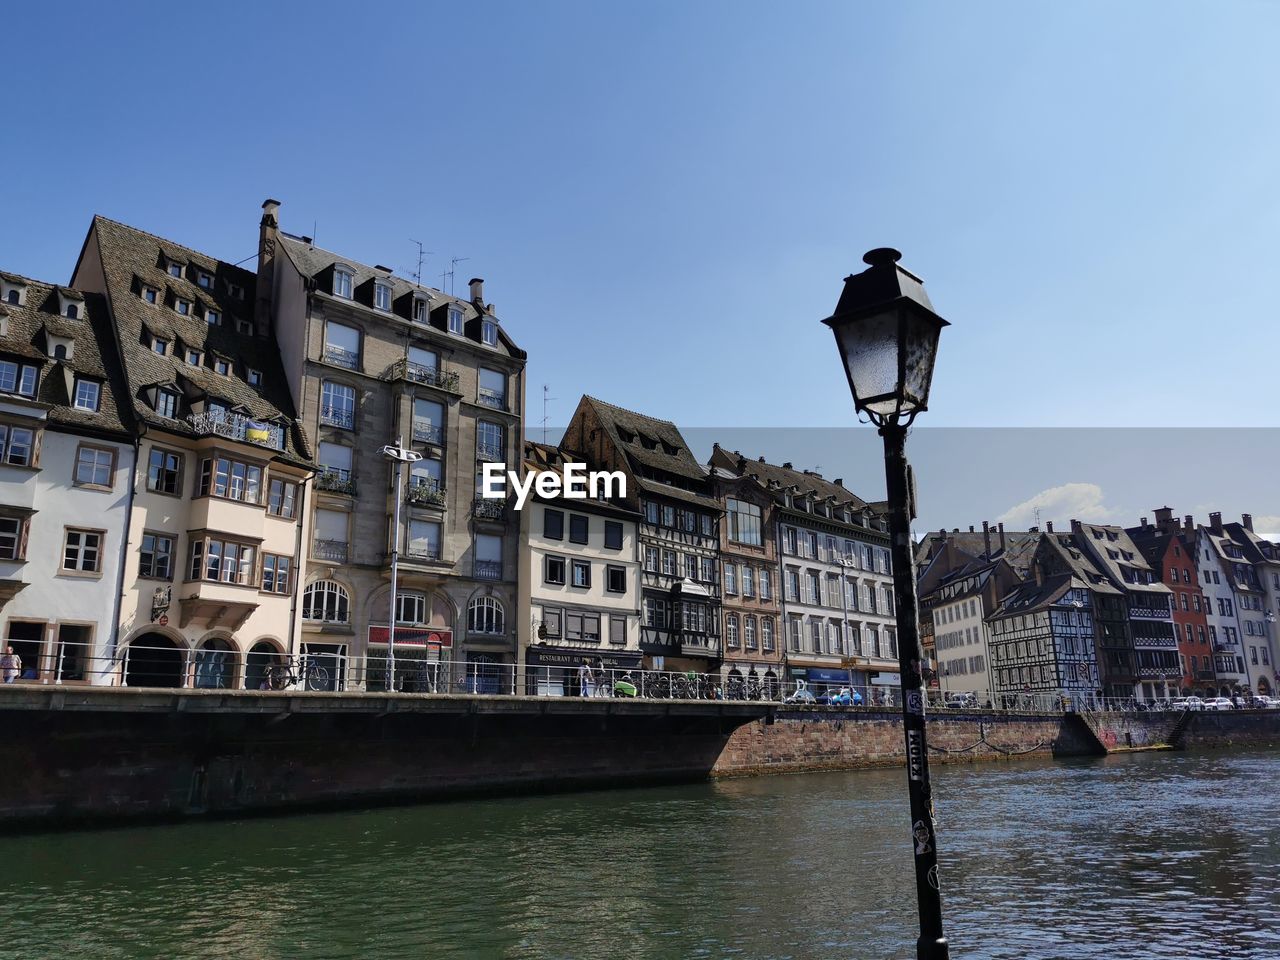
887,334
397,454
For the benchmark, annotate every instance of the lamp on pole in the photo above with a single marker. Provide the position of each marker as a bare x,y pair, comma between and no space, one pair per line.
397,454
887,334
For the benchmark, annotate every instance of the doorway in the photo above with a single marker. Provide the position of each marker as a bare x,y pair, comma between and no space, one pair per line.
153,660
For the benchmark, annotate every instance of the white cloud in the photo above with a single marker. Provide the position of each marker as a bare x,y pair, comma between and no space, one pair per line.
1267,526
1071,501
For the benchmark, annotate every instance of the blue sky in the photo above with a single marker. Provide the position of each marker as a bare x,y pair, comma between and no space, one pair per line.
664,197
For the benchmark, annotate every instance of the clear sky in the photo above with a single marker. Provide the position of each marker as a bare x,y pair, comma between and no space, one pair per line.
663,197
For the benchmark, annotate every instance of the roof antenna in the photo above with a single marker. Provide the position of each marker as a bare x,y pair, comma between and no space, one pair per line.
315,229
448,274
422,256
545,400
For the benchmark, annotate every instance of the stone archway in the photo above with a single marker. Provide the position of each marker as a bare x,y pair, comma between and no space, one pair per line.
216,664
263,654
153,660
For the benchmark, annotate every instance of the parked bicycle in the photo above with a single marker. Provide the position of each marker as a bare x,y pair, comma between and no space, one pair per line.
295,670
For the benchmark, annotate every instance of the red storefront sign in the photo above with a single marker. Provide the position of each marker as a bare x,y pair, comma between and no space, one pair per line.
413,636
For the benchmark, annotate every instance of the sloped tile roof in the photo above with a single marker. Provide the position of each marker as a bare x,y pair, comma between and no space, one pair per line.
656,444
805,482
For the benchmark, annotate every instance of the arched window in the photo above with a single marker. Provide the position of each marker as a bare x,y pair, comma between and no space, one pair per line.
60,352
731,630
327,602
411,608
13,297
72,311
485,615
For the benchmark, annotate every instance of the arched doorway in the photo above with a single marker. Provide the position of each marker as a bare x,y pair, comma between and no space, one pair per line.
262,654
771,686
153,660
215,664
1264,687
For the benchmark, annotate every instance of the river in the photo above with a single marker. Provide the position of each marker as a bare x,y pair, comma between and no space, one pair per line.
1155,855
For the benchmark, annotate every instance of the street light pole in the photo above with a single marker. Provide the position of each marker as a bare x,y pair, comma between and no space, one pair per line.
399,456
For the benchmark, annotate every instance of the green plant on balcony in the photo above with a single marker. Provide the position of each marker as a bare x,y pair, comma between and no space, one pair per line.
425,494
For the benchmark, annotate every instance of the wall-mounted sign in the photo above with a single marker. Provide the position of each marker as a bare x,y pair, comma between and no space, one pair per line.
413,636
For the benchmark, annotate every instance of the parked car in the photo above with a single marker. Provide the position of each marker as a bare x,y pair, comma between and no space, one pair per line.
1186,703
1219,703
801,696
1269,703
959,701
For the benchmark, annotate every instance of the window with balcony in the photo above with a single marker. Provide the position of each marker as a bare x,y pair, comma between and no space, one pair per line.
325,601
492,390
491,442
342,345
222,561
425,484
428,421
335,468
337,405
330,535
488,557
423,366
18,445
155,560
230,480
486,615
424,539
19,378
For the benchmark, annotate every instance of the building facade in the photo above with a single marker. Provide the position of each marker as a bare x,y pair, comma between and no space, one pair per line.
960,606
1265,557
66,472
579,585
216,512
370,359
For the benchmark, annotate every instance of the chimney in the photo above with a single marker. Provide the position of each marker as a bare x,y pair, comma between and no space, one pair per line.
268,239
477,291
1247,520
1000,527
1215,521
1048,526
971,528
1143,521
839,482
1188,523
986,538
1165,521
787,466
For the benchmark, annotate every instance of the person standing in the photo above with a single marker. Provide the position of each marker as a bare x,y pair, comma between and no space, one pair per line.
10,665
586,680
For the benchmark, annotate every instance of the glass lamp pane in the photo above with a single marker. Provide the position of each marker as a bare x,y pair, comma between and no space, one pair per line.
869,346
921,347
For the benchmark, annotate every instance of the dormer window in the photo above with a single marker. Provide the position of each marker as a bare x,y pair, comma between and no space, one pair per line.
235,290
167,403
244,327
183,307
17,378
212,317
455,320
205,280
342,279
72,311
194,358
222,367
489,332
382,296
175,269
13,296
151,294
60,351
87,394
159,346
253,377
419,310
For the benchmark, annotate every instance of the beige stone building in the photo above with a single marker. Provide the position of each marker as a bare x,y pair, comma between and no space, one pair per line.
215,504
370,358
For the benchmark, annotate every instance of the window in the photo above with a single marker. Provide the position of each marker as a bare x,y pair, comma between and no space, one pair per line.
204,280
337,405
579,528
275,573
156,557
731,631
222,561
342,345
455,320
669,563
656,612
222,367
730,577
815,635
708,570
326,602
342,278
424,539
668,515
82,551
17,445
164,472
94,466
382,296
419,310
17,378
617,629
650,512
428,421
651,559
492,388
691,566
13,538
766,585
553,570
87,393
174,269
411,608
335,466
553,524
748,582
612,535
230,480
253,377
183,307
212,317
616,578
744,522
193,358
489,333
167,404
766,634
749,632
485,615
581,573
582,626
150,294
789,538
282,498
491,442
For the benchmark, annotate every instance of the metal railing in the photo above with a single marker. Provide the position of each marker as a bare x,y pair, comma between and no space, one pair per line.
341,357
235,426
424,431
490,452
488,569
338,417
485,509
418,373
491,398
336,480
335,550
425,495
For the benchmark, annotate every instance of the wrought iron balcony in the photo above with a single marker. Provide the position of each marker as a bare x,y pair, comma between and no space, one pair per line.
490,452
424,431
491,398
431,376
335,550
485,509
488,570
428,551
336,480
341,357
235,426
425,495
338,417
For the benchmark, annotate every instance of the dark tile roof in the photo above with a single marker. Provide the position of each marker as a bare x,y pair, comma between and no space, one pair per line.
1030,596
804,481
1020,546
1067,551
27,330
648,442
1115,538
130,258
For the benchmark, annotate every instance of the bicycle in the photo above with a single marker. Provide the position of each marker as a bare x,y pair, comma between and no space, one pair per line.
281,676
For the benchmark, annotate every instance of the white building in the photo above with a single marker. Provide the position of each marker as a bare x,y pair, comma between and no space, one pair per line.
66,464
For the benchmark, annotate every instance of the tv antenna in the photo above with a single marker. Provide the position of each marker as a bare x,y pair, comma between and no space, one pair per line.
422,257
546,399
448,274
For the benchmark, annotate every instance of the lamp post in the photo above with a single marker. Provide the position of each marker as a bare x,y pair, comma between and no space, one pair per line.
887,334
397,454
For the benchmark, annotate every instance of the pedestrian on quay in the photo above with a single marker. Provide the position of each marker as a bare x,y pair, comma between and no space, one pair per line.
586,680
10,665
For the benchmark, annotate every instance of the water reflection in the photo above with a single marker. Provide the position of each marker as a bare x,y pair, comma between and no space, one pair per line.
1070,860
